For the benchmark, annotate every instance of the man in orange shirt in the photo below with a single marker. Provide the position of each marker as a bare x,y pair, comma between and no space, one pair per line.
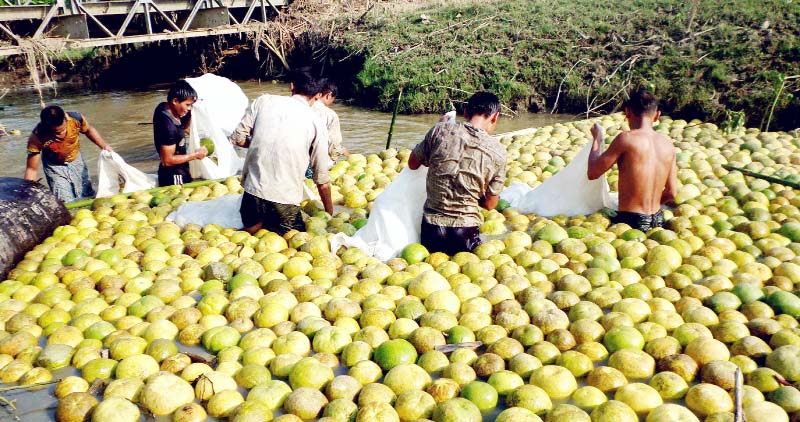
55,142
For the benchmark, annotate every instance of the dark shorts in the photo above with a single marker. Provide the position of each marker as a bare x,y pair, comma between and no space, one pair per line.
176,175
278,218
449,240
643,222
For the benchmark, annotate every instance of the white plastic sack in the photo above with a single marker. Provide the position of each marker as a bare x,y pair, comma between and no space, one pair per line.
568,192
223,211
219,108
395,218
113,172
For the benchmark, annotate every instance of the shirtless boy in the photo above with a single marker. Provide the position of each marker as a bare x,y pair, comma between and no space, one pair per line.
646,160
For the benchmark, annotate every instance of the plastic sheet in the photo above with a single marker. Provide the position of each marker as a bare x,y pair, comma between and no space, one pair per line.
397,212
219,108
395,218
568,192
223,211
114,176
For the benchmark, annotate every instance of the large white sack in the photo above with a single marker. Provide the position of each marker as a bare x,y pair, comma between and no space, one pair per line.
395,218
113,171
219,108
568,192
223,211
397,212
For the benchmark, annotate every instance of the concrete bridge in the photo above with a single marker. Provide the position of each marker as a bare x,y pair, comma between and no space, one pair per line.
62,24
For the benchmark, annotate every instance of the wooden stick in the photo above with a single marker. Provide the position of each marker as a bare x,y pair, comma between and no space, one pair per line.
10,405
782,381
737,397
200,359
25,387
88,202
449,348
766,177
394,116
98,385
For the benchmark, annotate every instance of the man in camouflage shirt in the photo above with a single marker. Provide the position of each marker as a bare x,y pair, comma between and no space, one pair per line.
466,171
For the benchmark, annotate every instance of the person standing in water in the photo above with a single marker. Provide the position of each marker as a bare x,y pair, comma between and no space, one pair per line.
467,170
170,126
646,161
55,142
284,138
323,109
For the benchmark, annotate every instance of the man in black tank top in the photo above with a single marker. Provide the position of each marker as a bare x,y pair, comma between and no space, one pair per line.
170,127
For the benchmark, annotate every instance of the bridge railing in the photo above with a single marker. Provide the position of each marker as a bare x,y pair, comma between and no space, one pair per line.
26,2
92,23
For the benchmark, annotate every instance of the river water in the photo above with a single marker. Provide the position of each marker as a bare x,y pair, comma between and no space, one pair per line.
124,119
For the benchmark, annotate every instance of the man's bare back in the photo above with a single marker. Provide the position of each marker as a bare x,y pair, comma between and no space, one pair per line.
647,169
645,164
646,160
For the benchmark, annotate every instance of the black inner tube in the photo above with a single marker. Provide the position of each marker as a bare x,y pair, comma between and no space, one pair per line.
28,214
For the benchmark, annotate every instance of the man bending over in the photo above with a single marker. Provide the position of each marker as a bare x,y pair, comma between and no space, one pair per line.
646,160
467,170
55,142
284,137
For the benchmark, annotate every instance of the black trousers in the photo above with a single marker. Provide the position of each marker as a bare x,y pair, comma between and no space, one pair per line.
449,240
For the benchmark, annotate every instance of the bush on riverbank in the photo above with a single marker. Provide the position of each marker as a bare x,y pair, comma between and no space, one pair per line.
579,55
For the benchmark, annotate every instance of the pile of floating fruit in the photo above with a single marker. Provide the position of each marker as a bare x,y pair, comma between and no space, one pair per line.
577,320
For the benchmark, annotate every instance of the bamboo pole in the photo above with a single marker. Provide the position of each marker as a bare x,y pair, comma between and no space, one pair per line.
766,177
29,386
449,348
88,202
738,415
394,116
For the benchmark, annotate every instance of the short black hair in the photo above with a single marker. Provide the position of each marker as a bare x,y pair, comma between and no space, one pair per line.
641,102
305,84
181,91
52,116
329,87
482,104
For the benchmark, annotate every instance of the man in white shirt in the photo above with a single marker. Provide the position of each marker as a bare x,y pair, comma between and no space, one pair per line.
323,109
283,136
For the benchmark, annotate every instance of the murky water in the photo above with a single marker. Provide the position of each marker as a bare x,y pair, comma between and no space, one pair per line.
124,119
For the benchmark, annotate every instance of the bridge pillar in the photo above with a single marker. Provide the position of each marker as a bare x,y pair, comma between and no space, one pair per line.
210,18
72,26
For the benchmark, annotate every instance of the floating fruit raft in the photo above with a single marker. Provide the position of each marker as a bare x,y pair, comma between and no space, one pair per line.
567,318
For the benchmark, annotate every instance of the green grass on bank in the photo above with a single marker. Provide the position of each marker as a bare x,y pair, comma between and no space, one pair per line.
585,54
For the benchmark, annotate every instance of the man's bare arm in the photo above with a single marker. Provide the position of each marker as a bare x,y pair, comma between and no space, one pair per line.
32,167
489,201
95,137
241,137
413,162
325,195
169,158
600,163
671,189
